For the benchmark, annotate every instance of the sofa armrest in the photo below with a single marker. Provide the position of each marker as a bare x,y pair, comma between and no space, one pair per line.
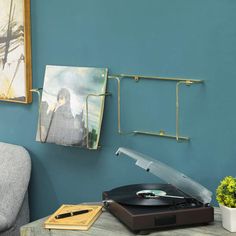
14,178
3,223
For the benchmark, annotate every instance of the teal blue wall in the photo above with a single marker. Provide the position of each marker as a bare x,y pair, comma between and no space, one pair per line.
185,38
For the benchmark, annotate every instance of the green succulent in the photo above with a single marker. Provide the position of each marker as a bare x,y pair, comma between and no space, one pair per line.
226,192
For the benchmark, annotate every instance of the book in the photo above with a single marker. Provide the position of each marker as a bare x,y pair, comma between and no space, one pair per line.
72,106
75,222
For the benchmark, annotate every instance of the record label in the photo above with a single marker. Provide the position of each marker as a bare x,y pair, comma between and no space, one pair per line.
153,193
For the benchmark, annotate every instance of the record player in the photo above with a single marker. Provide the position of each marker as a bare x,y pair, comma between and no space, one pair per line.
141,207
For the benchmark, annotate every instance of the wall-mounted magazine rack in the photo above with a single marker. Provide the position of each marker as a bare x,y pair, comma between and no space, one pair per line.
161,133
136,78
38,92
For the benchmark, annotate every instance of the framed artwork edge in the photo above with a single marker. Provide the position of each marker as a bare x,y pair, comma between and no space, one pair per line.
28,57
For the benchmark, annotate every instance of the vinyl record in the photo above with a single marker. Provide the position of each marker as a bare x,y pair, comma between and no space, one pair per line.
130,195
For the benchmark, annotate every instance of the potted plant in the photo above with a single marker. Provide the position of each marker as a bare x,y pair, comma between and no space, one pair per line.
226,197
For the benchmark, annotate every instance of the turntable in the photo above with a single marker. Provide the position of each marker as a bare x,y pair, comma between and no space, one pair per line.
142,207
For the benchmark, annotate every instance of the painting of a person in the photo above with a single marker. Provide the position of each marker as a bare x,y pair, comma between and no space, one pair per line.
67,117
58,124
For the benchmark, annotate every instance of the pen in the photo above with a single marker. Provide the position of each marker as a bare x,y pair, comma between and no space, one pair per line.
73,213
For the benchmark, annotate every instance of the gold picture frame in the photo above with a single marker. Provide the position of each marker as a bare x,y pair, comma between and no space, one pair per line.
15,51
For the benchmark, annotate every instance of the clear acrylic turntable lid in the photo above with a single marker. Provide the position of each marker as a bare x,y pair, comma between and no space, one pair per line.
169,175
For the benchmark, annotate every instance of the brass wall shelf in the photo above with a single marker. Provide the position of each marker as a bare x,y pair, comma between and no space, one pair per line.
136,78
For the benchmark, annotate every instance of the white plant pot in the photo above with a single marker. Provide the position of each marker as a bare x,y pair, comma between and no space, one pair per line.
228,218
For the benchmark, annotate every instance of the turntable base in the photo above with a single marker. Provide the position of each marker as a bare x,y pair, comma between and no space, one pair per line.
142,219
140,213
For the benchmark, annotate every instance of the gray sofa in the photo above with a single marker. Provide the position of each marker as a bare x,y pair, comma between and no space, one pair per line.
15,168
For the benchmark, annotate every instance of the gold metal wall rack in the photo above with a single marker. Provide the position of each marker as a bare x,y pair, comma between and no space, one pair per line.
161,133
136,78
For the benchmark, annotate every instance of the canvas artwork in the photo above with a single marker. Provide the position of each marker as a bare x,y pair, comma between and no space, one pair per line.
65,117
15,52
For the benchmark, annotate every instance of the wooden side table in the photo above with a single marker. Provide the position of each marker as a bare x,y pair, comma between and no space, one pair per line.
108,225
